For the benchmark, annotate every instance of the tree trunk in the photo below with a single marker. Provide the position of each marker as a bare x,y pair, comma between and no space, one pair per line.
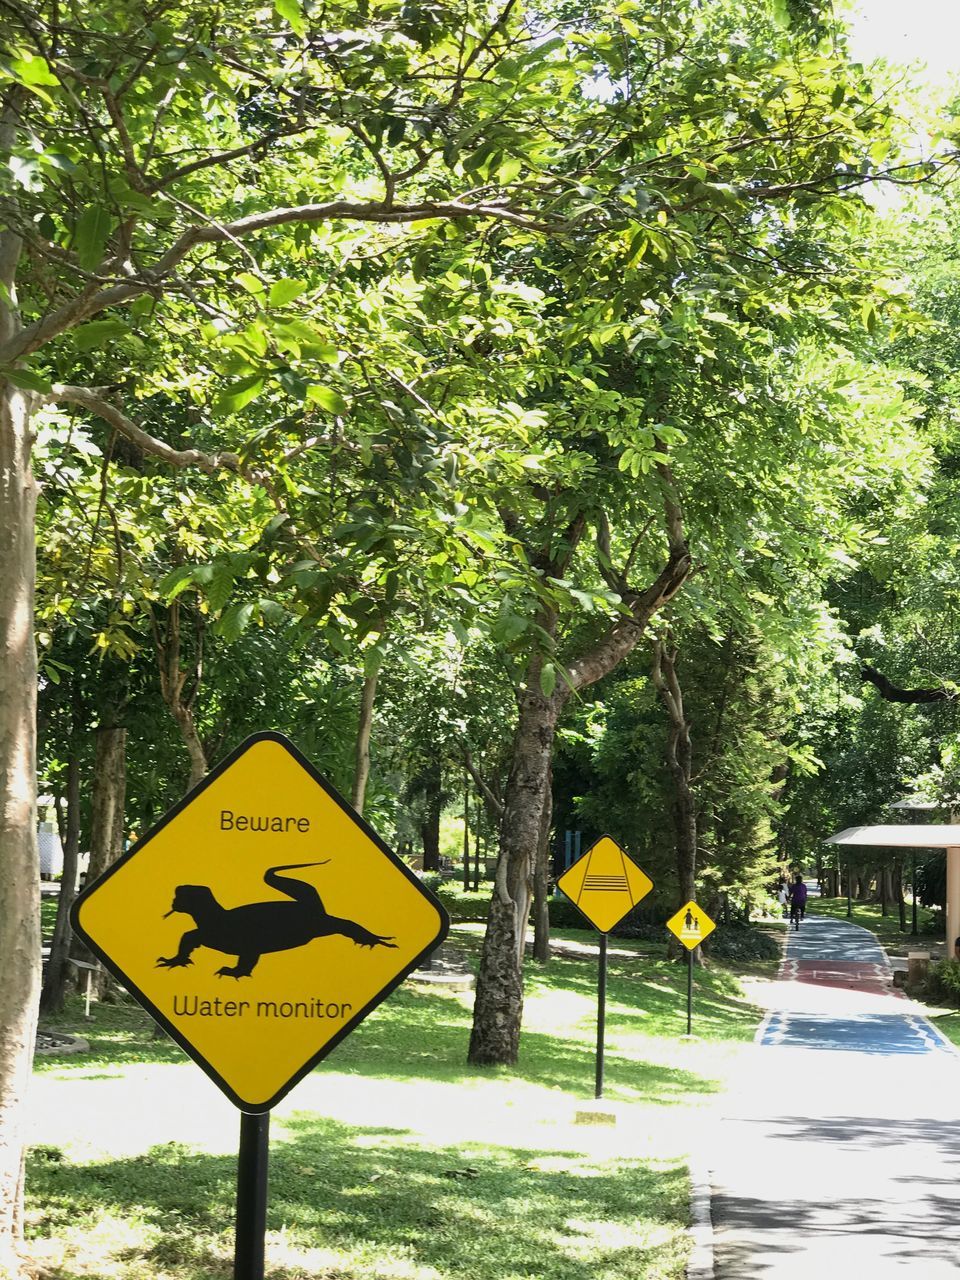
361,771
680,764
107,797
19,857
541,882
55,985
179,687
477,847
498,1008
191,740
430,826
883,884
466,833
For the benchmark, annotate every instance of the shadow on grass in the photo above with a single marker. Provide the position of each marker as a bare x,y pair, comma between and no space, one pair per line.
381,1203
423,1033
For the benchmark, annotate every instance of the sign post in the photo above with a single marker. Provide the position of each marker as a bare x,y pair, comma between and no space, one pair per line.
690,925
604,884
259,922
601,1013
251,1228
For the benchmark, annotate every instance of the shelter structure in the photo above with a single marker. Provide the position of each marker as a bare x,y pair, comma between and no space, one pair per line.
934,835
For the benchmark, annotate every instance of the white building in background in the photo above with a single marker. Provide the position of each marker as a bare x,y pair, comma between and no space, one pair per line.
51,851
48,838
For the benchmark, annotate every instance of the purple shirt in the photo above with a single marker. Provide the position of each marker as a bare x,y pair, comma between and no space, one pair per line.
798,894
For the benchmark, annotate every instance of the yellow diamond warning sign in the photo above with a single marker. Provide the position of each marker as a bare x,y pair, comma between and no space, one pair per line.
260,921
691,925
605,883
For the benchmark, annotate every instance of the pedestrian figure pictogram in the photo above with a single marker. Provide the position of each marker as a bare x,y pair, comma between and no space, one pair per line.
691,925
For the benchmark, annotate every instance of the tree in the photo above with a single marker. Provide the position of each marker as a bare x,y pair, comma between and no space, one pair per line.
166,174
145,152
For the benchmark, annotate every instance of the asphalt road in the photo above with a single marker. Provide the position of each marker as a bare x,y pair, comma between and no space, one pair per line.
839,1154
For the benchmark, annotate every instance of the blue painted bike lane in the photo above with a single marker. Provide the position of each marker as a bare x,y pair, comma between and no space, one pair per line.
840,1150
841,956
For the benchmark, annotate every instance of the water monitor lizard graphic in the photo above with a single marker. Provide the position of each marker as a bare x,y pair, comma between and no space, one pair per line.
251,931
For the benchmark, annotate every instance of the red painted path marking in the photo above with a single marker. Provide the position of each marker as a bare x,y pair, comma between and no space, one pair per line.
874,979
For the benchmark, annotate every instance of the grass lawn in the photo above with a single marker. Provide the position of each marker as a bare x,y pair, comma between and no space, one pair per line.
48,915
887,928
947,1021
394,1159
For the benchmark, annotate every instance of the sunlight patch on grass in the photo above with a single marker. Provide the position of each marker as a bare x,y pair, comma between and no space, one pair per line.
395,1159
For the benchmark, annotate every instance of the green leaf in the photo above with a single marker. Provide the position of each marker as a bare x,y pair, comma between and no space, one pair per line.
32,70
26,380
176,581
239,394
548,679
221,585
291,10
305,338
90,238
284,291
88,336
236,620
246,280
510,168
327,399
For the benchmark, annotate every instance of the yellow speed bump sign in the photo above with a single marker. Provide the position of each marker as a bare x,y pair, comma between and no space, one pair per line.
260,921
605,883
691,925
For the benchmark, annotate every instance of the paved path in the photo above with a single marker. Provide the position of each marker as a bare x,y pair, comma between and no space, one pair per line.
840,1153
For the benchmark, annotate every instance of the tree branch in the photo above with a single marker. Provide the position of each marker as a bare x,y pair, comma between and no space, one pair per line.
623,635
81,308
894,694
493,803
89,398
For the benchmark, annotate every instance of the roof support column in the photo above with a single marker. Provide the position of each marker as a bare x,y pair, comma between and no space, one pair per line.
953,898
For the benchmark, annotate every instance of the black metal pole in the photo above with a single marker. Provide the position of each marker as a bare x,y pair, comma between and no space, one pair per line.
689,990
251,1196
913,893
601,1012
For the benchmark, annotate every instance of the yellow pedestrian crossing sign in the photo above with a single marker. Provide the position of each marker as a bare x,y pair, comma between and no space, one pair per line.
260,921
605,883
691,925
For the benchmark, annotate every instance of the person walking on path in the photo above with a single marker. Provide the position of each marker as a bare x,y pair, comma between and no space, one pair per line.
783,898
798,901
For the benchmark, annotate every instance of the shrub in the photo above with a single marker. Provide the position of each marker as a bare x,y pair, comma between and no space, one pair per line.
564,915
642,922
463,907
943,981
741,941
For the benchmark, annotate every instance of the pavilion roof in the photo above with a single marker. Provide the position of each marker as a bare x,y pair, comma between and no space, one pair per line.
907,835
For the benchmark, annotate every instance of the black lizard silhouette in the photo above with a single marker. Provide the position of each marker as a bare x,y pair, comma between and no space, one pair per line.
250,931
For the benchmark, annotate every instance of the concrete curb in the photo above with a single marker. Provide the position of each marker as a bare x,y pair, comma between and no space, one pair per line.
700,1265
